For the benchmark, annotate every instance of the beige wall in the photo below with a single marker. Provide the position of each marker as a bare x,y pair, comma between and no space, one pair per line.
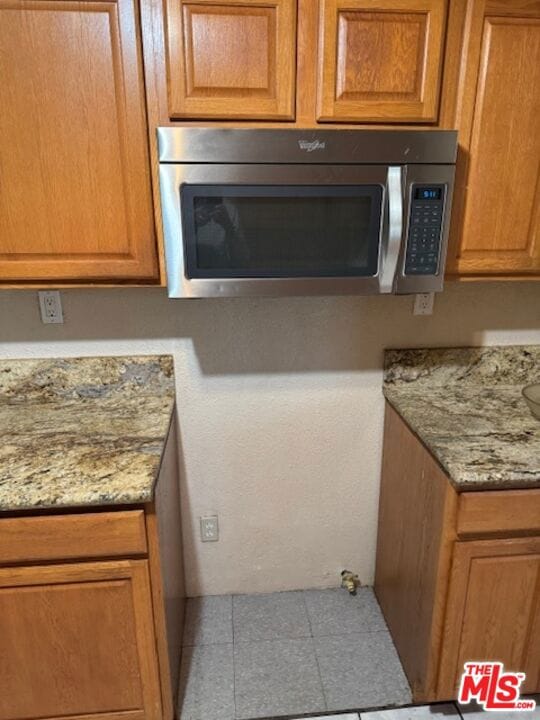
280,410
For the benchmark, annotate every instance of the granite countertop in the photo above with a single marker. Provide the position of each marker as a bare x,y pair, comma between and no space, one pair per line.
465,405
82,431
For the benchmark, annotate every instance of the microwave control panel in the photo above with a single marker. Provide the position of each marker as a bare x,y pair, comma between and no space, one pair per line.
425,230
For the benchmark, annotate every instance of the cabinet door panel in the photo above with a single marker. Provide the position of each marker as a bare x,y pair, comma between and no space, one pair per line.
497,223
502,218
77,640
380,61
232,59
75,199
493,610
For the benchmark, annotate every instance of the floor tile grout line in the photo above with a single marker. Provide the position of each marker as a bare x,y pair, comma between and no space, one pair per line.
207,644
285,637
307,613
233,658
304,637
282,638
348,634
319,673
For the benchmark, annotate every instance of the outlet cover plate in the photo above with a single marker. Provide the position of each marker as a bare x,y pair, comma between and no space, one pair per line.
209,528
423,303
50,306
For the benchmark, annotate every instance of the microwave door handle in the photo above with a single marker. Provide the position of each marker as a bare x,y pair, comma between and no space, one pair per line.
392,247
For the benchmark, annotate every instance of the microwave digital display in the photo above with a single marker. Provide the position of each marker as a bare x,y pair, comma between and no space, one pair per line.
428,193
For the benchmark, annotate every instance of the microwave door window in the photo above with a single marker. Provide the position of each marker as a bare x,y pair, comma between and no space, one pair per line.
308,231
219,234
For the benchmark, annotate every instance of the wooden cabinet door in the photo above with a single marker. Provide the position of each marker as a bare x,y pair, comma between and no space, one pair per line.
493,610
496,217
78,640
75,189
380,60
231,59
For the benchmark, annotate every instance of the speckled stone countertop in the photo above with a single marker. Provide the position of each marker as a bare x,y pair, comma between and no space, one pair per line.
465,405
82,431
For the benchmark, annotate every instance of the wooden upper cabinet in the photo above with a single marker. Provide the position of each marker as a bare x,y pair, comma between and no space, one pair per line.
75,189
496,219
380,60
231,59
493,610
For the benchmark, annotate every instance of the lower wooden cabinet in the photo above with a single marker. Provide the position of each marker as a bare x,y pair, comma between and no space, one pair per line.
457,575
493,609
78,639
92,610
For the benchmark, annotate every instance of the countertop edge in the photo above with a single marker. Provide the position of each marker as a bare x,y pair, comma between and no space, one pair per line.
459,483
136,499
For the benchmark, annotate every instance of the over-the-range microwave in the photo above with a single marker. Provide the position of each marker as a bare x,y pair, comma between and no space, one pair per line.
292,212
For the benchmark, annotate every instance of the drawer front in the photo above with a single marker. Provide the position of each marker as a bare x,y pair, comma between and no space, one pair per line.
66,537
505,512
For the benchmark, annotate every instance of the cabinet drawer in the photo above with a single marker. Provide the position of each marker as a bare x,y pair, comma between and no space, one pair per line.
505,512
59,537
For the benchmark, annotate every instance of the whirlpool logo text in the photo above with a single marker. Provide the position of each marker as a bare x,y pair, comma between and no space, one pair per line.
311,145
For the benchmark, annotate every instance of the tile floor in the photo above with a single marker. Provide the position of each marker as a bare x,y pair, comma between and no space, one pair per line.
440,711
305,652
294,654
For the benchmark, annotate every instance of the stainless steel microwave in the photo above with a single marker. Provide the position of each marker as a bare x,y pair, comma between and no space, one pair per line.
292,212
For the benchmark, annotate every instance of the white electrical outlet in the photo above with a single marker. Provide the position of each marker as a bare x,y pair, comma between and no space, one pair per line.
209,528
423,303
50,305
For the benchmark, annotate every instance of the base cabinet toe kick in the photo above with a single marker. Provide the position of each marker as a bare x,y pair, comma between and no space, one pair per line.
457,574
